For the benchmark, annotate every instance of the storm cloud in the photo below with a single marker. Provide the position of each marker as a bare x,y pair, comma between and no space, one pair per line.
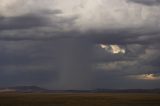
147,2
80,44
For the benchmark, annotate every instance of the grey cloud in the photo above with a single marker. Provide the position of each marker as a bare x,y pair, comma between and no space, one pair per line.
27,62
47,49
123,37
59,62
73,58
21,22
113,80
29,77
146,2
28,21
72,55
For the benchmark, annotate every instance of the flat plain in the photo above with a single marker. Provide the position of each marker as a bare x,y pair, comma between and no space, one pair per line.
79,99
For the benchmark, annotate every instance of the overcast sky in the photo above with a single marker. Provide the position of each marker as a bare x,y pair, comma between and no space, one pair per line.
80,44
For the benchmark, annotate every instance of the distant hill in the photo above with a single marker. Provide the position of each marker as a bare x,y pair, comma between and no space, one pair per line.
36,89
129,90
24,89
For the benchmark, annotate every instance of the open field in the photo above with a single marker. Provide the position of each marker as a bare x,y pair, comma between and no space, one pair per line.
79,99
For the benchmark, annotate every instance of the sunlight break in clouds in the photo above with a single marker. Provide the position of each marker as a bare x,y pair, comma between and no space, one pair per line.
115,49
145,77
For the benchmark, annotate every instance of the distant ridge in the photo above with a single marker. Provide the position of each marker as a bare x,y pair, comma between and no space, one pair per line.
156,90
24,89
36,89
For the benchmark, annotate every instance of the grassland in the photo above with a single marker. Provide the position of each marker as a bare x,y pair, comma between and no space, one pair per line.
79,99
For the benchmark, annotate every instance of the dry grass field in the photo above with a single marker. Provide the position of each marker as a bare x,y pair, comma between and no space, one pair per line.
79,99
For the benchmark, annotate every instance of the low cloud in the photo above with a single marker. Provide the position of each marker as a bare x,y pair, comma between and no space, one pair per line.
146,2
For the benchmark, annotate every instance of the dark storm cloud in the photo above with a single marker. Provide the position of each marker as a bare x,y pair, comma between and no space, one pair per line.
21,22
72,55
59,62
48,48
43,25
28,77
113,80
126,36
146,2
27,63
72,59
154,57
27,21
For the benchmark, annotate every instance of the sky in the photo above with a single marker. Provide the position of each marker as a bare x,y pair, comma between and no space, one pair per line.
80,44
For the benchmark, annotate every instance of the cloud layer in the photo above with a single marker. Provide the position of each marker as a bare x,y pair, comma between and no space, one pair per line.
147,2
70,44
